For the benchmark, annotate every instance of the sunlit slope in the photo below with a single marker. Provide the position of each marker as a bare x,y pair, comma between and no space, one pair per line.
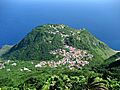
38,44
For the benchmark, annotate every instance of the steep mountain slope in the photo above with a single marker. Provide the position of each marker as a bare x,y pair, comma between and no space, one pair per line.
110,66
114,57
113,61
4,49
38,44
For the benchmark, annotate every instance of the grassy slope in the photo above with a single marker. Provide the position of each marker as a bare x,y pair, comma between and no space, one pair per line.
5,49
36,45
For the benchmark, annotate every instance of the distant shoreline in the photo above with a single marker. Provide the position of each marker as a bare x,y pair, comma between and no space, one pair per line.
116,51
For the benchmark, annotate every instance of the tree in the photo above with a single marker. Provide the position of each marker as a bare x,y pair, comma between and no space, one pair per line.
97,83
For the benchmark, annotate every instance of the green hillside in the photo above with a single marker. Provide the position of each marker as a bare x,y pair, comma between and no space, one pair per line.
38,44
58,57
110,66
113,61
5,49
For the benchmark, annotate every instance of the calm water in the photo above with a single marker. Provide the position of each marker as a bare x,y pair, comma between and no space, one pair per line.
100,17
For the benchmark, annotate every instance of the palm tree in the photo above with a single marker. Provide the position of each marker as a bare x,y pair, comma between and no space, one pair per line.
96,83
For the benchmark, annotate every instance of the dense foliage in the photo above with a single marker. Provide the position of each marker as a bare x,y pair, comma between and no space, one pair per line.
46,38
59,78
57,57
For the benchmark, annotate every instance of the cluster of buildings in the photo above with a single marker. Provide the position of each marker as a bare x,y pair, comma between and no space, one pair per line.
71,53
2,65
12,63
73,58
56,30
57,26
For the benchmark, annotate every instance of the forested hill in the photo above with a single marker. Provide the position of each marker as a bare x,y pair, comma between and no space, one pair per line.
38,44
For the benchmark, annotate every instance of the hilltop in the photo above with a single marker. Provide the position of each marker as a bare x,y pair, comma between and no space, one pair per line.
38,44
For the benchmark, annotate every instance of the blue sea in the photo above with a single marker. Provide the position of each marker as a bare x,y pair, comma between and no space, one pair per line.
100,17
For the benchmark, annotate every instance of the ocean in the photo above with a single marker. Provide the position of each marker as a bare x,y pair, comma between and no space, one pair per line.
100,17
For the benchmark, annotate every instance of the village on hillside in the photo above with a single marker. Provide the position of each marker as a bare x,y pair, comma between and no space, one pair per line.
72,58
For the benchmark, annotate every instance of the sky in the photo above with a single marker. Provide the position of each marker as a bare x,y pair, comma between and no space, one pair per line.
100,17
